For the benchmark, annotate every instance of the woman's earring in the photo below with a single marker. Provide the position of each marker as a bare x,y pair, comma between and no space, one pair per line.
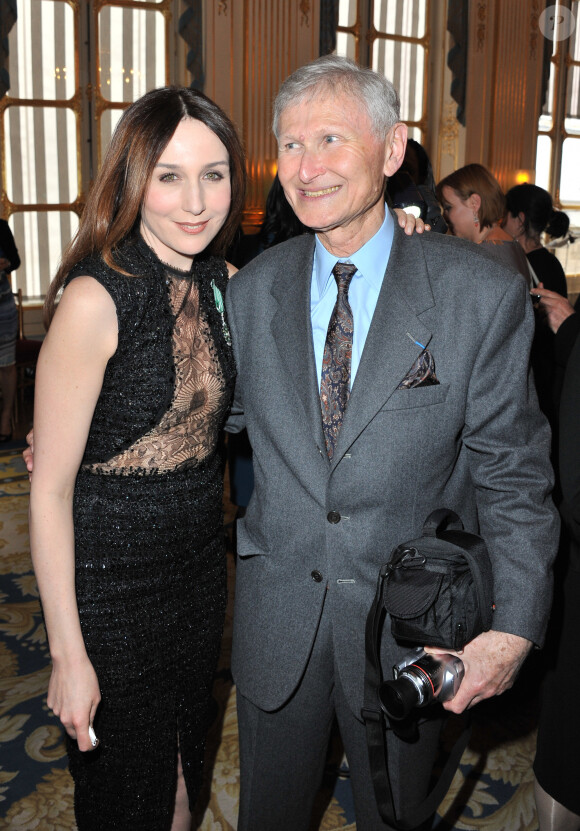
475,219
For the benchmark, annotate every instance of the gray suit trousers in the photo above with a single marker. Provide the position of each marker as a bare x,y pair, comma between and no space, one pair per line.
283,753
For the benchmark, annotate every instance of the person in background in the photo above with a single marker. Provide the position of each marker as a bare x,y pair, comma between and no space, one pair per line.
474,208
556,764
530,213
133,387
413,186
279,224
9,261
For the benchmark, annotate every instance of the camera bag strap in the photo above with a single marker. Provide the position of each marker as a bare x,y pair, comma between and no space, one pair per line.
376,724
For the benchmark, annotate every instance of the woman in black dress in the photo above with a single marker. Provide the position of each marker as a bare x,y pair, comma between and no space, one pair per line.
133,386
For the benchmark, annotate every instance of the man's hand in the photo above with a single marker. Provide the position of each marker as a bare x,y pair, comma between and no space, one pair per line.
28,453
555,307
491,661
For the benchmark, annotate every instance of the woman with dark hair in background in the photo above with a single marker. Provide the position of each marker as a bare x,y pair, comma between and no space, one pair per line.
280,223
413,186
530,213
9,261
133,386
474,208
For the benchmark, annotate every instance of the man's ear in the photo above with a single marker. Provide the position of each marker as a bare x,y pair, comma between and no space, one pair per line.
395,145
474,202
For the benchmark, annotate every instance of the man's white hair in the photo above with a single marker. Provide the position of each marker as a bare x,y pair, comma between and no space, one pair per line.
334,74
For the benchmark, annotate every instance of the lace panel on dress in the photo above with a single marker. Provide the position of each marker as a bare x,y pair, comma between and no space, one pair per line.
187,432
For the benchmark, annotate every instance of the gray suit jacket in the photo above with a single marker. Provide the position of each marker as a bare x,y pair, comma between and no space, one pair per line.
475,443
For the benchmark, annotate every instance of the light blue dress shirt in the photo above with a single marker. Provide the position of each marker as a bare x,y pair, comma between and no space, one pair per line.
371,262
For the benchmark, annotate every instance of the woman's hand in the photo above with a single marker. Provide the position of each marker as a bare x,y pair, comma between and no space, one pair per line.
73,696
410,223
4,264
555,307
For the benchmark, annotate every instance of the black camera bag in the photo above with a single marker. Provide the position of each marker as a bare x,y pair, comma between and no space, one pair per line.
437,590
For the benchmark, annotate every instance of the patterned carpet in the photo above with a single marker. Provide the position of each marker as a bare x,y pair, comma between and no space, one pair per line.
492,790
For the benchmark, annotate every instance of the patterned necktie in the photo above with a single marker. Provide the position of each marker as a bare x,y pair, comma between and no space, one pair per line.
335,378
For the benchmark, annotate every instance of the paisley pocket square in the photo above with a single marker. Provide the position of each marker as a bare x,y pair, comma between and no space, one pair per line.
421,374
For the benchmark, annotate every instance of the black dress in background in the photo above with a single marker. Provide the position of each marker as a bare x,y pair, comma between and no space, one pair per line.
150,564
547,374
548,270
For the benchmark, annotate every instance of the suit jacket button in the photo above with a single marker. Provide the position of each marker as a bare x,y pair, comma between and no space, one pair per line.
316,576
333,517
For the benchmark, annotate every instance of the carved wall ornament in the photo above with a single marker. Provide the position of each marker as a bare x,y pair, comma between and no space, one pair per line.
305,10
223,7
449,131
481,26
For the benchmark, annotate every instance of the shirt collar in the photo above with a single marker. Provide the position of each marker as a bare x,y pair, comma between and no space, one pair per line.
371,260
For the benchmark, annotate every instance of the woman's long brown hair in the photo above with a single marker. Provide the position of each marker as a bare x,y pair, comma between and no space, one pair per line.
113,208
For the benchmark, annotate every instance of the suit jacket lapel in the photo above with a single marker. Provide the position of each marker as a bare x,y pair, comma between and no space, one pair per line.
292,331
392,343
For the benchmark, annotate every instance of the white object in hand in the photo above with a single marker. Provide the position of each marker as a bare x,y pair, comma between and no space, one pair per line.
92,736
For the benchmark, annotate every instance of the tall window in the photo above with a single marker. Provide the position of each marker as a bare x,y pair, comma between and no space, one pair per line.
392,37
74,66
558,148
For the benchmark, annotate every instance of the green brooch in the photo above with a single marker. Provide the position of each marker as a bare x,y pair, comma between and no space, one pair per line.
219,304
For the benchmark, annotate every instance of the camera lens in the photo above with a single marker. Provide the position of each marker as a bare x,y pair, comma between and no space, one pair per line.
398,698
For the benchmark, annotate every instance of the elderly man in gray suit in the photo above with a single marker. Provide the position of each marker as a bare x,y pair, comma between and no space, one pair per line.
369,405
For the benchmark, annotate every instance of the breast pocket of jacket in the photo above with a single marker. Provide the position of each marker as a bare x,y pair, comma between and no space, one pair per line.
408,399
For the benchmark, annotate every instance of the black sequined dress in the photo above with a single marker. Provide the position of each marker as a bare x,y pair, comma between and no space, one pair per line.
150,564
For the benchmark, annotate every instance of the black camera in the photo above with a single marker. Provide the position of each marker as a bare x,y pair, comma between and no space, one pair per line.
420,678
